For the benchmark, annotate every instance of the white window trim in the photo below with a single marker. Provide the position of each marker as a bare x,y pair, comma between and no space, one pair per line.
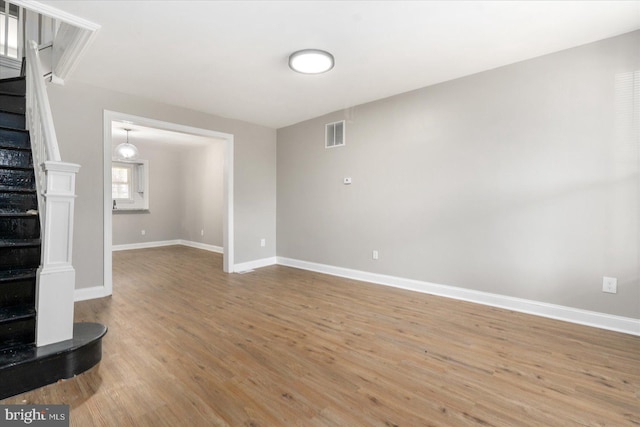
128,166
139,185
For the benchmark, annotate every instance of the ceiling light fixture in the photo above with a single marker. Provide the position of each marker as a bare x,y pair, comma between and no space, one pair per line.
311,61
126,151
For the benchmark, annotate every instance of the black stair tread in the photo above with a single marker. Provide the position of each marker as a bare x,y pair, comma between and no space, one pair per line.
27,367
12,79
17,312
83,333
17,274
4,146
10,128
7,93
11,167
2,110
19,243
7,213
7,189
18,213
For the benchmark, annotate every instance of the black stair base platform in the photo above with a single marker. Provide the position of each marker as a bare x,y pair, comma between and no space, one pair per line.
28,367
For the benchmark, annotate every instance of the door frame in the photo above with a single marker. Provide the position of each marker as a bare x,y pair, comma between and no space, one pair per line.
228,225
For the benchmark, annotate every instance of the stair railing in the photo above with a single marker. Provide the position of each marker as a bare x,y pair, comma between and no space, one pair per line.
55,184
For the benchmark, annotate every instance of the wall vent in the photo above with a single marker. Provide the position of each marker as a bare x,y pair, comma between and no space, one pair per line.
334,134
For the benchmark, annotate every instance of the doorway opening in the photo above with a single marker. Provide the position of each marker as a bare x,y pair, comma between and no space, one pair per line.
112,118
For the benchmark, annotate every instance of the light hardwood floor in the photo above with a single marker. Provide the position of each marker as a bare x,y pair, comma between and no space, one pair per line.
191,346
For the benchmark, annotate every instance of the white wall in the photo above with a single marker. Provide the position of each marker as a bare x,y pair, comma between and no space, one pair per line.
78,117
521,181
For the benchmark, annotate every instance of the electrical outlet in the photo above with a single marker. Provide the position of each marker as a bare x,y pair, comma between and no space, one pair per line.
202,232
347,180
143,232
609,285
375,254
263,242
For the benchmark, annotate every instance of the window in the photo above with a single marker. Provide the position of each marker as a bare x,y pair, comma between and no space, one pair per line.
8,28
121,187
130,185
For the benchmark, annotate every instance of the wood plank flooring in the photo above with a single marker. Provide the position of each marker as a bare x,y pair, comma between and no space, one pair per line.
191,346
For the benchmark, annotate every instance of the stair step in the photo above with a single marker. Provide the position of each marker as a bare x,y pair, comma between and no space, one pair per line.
19,226
8,213
13,148
4,92
18,332
17,325
15,85
10,137
12,120
18,201
15,103
15,313
19,253
18,178
16,167
19,243
27,367
15,157
16,275
18,290
8,189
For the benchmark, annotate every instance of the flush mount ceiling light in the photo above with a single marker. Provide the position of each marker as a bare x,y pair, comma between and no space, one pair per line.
126,151
311,61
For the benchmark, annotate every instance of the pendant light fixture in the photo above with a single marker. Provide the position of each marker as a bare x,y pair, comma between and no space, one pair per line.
126,151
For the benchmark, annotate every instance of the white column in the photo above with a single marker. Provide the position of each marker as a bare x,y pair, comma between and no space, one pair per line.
55,283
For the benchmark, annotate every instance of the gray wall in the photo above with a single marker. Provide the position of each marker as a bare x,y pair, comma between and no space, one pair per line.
521,181
186,196
78,116
203,194
162,221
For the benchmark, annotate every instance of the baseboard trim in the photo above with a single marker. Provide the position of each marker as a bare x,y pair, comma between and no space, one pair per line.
568,314
244,266
160,243
84,294
145,245
203,246
258,263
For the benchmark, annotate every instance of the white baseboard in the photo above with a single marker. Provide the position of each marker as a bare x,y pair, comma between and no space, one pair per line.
84,294
574,315
258,263
145,245
204,246
249,265
161,243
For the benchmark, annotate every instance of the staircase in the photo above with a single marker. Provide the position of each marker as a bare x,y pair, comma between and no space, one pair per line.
19,222
23,365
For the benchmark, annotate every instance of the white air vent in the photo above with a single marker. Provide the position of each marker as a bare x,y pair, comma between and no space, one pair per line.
334,134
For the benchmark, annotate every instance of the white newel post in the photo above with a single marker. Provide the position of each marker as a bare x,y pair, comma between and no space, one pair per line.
56,279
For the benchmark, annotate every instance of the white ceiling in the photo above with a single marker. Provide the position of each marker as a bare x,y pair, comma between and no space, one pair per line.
229,58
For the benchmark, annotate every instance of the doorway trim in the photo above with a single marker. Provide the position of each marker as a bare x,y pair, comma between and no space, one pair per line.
228,226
